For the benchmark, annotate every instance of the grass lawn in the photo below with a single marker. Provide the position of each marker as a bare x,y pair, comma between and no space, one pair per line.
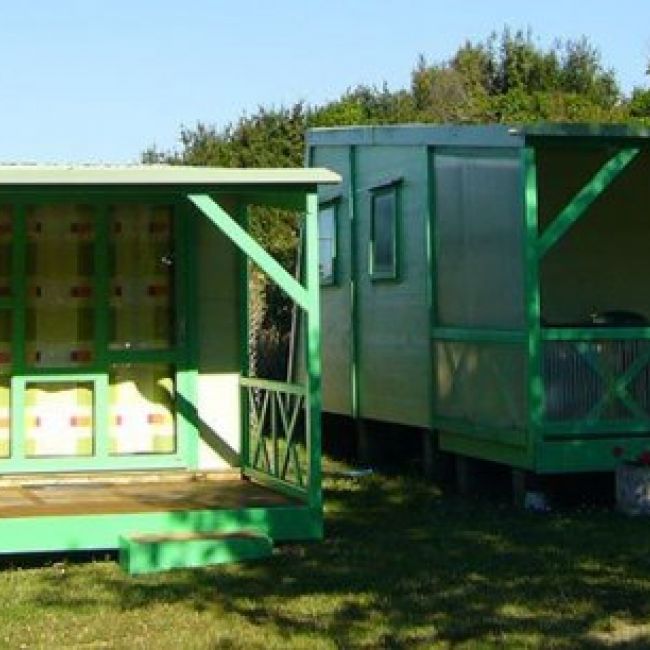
402,566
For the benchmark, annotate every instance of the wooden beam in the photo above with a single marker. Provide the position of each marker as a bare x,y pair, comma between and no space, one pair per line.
579,204
229,227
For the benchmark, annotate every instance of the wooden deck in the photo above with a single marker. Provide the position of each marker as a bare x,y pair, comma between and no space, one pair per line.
110,495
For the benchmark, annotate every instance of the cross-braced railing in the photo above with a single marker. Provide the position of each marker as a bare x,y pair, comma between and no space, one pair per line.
278,434
596,383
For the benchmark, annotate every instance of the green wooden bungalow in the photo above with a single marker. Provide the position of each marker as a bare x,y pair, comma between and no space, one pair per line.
489,284
127,412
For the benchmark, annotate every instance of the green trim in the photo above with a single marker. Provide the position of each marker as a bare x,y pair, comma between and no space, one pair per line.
134,355
588,455
102,286
431,277
535,392
229,227
144,554
72,533
313,352
580,203
185,356
393,189
586,429
483,335
244,341
19,289
595,333
273,385
355,315
276,484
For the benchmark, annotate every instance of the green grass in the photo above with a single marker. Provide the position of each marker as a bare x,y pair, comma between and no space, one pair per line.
402,566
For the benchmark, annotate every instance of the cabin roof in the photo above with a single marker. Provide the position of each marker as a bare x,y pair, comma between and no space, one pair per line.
161,175
489,135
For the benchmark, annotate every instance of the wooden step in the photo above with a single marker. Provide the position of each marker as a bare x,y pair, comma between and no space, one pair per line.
149,553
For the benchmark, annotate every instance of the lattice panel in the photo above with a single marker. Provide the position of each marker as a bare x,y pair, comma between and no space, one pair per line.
596,380
276,422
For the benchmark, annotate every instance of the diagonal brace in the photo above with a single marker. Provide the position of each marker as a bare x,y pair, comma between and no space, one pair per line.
229,227
584,198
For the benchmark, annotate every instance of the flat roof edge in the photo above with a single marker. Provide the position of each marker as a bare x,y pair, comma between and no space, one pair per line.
492,135
483,135
142,175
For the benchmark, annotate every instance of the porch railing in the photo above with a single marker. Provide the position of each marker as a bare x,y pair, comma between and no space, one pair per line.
276,442
595,381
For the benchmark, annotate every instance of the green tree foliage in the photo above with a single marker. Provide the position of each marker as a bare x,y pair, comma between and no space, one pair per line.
507,78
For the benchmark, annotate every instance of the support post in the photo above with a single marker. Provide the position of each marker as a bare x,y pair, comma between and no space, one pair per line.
244,343
535,391
312,351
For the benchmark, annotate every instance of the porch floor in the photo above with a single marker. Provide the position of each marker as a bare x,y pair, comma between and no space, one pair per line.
106,496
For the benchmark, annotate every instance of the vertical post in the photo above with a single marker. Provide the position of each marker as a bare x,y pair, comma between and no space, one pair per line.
102,297
312,352
244,339
186,305
431,444
354,285
18,361
533,310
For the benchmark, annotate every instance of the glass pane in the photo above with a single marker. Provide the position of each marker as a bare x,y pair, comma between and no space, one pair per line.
5,417
59,302
142,277
481,383
141,409
383,233
59,419
327,244
479,234
5,383
6,228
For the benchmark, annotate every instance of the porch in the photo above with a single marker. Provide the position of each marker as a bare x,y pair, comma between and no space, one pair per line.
124,339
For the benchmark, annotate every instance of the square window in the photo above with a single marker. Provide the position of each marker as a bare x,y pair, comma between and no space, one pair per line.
383,234
327,244
59,419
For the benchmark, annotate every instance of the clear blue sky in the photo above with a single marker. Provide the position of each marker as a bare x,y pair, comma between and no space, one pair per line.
91,80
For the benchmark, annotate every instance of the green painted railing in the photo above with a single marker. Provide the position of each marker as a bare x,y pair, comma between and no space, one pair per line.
276,435
596,381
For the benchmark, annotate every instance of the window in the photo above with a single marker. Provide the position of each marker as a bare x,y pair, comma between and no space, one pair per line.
383,233
327,244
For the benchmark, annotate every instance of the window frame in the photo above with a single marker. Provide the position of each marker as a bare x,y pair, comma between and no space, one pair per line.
330,204
392,188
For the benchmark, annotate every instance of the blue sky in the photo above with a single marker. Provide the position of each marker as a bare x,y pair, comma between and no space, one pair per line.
91,80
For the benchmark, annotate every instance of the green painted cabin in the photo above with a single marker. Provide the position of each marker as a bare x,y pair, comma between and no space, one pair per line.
126,403
489,285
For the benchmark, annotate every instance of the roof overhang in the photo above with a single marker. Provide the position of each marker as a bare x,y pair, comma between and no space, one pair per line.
162,175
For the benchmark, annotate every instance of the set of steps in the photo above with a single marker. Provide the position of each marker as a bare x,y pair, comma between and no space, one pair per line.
140,554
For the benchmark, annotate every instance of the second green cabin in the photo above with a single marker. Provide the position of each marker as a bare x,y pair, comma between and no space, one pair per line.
490,284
